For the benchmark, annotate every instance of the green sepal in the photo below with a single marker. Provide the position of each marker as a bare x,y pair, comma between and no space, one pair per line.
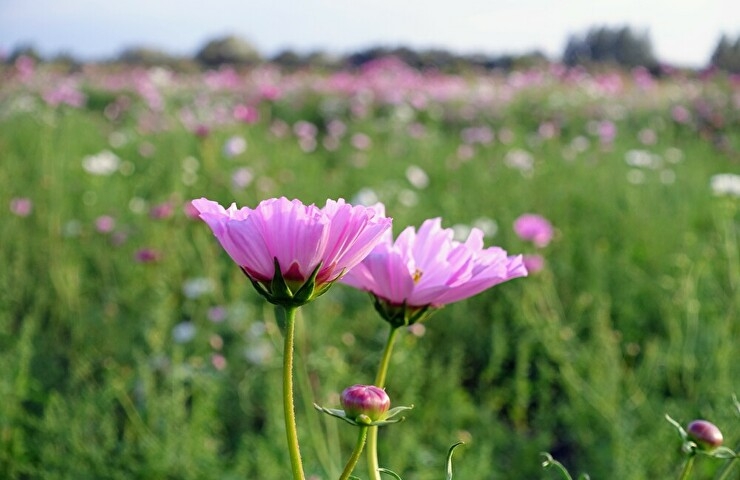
278,288
401,315
258,286
306,292
681,432
720,452
279,291
334,412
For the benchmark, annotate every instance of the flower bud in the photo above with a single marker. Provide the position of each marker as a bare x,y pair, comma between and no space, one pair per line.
365,403
705,434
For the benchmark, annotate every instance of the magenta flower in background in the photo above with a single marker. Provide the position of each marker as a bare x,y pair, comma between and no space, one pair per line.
21,206
534,228
246,114
105,224
201,131
65,93
534,263
607,132
190,211
681,114
26,67
218,361
162,211
147,255
308,243
429,269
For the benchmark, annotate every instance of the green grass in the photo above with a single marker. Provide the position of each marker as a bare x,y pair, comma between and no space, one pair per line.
635,316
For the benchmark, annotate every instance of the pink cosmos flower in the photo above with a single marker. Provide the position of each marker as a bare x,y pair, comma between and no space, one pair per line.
147,255
308,243
201,131
218,361
429,269
246,114
607,131
162,211
105,224
26,67
534,263
66,93
190,211
681,114
21,206
534,228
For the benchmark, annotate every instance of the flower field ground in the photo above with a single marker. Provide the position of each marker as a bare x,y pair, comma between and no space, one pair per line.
131,346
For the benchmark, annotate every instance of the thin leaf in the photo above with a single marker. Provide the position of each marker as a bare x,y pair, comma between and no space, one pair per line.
390,472
449,459
550,462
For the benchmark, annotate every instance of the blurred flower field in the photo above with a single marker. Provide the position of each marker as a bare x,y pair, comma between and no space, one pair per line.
131,346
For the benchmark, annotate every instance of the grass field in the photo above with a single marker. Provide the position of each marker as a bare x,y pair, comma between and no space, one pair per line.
131,346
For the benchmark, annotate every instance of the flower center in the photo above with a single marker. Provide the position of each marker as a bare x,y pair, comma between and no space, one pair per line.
417,276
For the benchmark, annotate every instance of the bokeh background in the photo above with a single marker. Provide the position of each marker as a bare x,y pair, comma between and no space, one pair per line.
132,347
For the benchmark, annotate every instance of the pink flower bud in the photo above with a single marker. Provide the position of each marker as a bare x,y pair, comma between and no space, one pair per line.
366,400
705,434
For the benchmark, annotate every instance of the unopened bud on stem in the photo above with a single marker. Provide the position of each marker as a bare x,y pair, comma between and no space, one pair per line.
365,403
705,434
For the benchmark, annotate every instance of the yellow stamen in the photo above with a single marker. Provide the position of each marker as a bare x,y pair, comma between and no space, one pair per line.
417,276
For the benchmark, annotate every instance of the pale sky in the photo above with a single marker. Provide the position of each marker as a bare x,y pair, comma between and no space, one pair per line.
683,32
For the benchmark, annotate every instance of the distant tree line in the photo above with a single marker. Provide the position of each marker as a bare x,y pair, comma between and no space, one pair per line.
726,55
613,46
617,46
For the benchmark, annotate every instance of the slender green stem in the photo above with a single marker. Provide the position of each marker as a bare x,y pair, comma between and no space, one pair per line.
291,431
372,436
687,468
728,467
386,360
355,454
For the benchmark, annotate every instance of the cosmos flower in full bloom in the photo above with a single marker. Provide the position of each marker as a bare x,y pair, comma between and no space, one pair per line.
427,269
293,252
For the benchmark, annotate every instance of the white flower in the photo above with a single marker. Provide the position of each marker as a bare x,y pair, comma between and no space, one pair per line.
488,226
234,146
726,184
103,163
643,159
183,332
366,196
197,287
242,177
519,159
417,177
